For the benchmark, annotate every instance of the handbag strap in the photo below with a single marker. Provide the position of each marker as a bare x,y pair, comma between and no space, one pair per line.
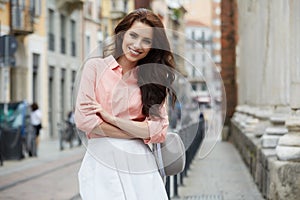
159,160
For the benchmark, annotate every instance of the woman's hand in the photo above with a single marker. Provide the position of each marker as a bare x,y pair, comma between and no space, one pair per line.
92,107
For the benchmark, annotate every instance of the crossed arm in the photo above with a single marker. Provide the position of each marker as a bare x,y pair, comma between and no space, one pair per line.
87,109
113,126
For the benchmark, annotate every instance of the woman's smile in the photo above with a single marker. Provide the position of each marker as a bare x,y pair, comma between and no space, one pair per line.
134,52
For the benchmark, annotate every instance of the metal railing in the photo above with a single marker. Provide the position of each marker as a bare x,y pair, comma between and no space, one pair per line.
192,136
22,19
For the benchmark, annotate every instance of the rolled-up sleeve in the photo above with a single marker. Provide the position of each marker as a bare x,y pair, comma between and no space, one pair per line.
87,86
158,127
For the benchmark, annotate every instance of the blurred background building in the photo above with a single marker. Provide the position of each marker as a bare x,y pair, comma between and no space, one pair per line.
254,45
46,42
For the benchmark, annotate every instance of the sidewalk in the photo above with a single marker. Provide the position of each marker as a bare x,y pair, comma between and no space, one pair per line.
51,175
222,175
48,151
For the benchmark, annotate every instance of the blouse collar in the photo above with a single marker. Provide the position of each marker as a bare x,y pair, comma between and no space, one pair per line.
111,62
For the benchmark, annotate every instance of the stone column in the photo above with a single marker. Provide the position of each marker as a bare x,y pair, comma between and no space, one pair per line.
288,148
263,55
289,145
258,69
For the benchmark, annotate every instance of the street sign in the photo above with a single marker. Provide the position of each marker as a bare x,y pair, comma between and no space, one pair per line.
10,61
4,84
8,47
9,44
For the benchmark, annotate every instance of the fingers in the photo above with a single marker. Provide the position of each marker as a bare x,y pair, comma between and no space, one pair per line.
89,103
91,98
91,107
90,110
93,112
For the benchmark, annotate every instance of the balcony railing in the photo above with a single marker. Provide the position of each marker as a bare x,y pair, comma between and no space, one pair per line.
22,20
69,5
119,8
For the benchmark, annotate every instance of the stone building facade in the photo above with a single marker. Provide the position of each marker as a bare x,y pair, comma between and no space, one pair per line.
265,126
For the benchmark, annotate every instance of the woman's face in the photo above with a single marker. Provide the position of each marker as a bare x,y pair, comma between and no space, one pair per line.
137,42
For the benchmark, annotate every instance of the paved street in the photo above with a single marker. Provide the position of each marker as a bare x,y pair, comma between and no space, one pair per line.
52,175
222,175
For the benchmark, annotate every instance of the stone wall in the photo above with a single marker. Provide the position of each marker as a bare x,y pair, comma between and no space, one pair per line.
265,126
274,178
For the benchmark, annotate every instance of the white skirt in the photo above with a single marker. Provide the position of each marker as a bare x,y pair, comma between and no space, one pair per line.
119,169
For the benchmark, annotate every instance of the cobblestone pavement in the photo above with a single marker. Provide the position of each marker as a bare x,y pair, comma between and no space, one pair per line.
222,175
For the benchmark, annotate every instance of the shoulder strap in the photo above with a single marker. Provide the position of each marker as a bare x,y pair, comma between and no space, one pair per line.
159,160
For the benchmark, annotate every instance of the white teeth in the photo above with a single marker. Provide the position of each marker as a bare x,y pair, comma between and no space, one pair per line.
134,52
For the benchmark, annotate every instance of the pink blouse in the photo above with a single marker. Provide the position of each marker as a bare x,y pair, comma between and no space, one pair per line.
118,94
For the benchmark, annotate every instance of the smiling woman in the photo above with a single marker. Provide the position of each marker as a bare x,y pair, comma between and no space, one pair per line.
136,45
121,106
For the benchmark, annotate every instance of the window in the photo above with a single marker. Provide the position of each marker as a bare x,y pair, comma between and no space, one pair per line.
126,6
73,82
218,11
193,58
105,32
62,34
99,9
217,46
193,34
35,68
194,72
217,34
193,38
100,42
217,58
51,36
194,87
20,3
35,5
51,96
113,4
87,45
73,38
89,8
62,92
73,78
217,22
203,39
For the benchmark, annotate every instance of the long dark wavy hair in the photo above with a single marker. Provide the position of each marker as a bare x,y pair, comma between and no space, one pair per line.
156,70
